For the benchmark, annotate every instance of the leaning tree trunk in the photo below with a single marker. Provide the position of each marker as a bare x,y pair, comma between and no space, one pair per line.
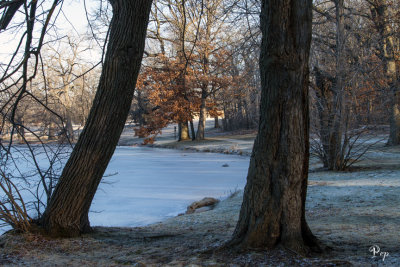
67,211
273,208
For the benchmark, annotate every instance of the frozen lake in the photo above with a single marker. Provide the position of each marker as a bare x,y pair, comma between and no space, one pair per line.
153,184
145,185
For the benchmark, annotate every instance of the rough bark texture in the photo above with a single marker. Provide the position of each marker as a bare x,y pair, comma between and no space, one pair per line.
273,209
67,211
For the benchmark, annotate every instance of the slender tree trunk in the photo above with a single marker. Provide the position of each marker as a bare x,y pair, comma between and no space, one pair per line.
67,211
69,127
381,17
21,129
330,93
192,130
273,209
205,69
324,94
394,134
216,122
202,117
336,130
51,132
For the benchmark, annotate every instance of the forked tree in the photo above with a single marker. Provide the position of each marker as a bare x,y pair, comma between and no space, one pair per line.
273,208
67,211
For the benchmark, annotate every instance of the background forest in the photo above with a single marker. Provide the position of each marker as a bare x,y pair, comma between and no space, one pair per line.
201,61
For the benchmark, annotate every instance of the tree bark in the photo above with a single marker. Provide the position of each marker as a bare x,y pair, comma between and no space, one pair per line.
394,134
202,117
183,131
273,208
69,126
216,122
67,211
380,15
335,153
330,92
192,129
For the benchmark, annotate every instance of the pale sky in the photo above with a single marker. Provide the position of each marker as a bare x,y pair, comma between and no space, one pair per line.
72,21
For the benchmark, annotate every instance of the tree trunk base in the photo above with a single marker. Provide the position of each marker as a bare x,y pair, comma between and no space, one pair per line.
66,232
63,229
307,245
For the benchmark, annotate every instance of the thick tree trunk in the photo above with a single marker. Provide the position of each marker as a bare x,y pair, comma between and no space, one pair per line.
183,131
67,211
273,209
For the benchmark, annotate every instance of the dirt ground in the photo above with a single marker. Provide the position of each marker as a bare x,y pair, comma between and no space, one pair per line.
354,213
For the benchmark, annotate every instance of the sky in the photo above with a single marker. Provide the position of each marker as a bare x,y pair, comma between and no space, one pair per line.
71,21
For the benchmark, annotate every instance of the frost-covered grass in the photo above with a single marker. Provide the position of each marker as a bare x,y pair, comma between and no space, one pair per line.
348,211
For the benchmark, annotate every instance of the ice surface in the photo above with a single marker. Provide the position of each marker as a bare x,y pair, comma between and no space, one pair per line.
152,184
144,185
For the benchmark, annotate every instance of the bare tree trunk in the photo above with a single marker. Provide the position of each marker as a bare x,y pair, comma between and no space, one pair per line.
335,137
20,129
273,209
381,17
183,131
67,211
394,134
69,127
51,131
202,117
330,92
192,130
216,122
